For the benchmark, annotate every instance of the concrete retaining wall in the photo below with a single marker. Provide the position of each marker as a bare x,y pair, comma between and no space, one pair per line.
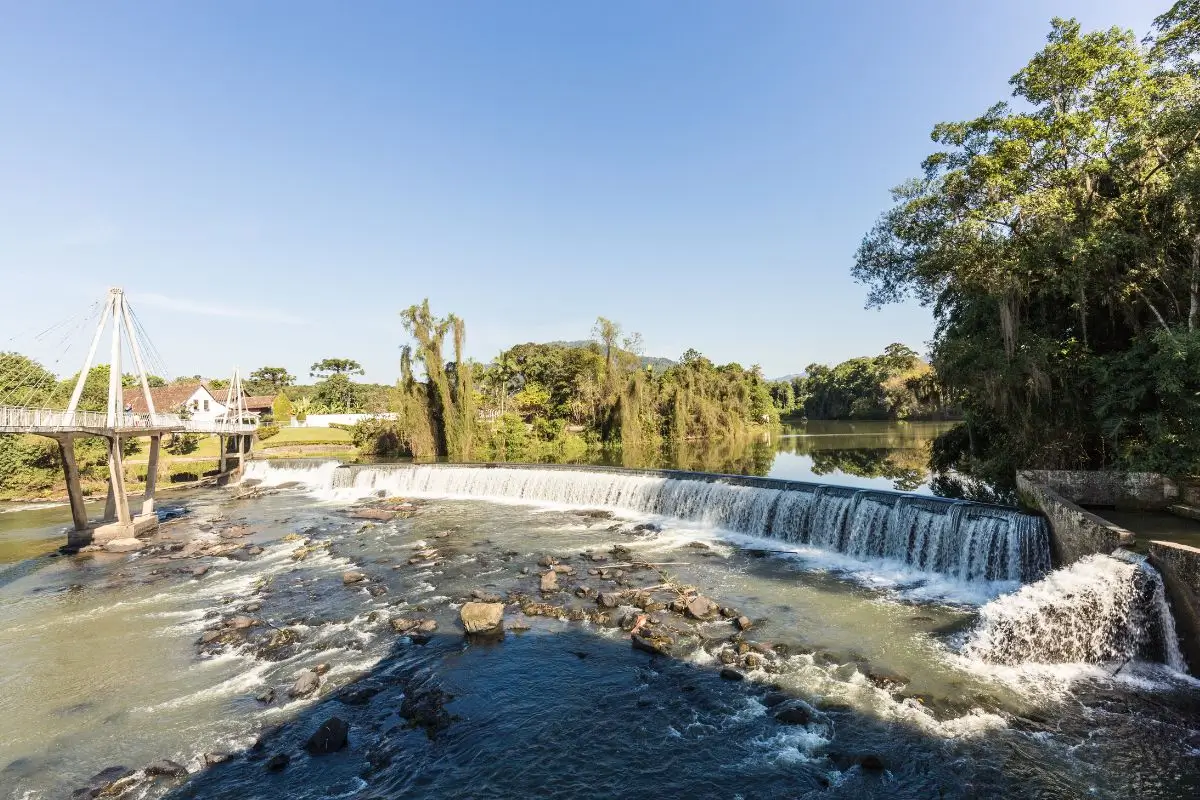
1180,569
1074,532
1125,490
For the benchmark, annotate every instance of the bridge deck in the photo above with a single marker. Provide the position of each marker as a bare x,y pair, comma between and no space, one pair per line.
48,421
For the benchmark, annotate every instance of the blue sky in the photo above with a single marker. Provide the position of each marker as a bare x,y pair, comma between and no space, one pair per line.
272,182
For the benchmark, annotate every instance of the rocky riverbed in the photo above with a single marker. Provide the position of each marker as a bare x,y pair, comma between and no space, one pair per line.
277,646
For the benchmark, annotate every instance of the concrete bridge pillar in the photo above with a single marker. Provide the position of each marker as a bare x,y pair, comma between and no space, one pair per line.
151,475
116,476
221,463
66,450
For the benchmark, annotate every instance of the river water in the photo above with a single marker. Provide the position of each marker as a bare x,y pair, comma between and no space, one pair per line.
900,678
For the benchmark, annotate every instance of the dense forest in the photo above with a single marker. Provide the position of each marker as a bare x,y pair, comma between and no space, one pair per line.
894,385
1057,241
542,401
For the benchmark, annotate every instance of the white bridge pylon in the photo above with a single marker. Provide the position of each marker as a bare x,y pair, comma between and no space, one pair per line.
118,421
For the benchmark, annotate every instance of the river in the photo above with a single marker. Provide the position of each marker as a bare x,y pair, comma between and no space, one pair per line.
863,675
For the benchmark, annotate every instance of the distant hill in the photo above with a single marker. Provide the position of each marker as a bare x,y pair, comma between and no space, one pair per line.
787,378
654,362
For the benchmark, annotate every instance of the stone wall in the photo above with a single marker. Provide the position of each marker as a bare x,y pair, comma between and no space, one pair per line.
1180,568
1125,490
1074,532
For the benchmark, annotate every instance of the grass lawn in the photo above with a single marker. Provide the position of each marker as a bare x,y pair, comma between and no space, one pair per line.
297,436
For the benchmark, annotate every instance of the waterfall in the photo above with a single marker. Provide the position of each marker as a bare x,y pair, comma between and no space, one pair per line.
966,541
1101,609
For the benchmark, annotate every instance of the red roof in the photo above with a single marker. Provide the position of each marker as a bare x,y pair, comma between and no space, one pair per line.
260,402
167,399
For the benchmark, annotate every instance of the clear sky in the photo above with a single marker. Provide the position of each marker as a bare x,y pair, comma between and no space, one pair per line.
272,182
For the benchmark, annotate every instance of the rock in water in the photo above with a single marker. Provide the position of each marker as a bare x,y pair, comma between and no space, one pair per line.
744,623
278,762
306,683
731,674
482,617
353,577
793,712
329,738
549,582
166,767
608,600
101,781
700,607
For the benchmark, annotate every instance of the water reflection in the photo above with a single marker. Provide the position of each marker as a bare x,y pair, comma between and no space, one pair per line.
870,454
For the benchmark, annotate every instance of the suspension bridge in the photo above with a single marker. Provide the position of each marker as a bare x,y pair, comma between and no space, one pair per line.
119,422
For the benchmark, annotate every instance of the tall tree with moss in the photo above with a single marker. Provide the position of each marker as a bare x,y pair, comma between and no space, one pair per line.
1058,243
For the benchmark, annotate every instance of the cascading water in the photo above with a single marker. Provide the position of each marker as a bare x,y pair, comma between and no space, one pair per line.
967,541
1101,609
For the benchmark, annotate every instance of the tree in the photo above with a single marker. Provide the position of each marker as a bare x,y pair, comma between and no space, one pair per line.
281,409
1053,241
327,367
24,382
337,394
269,380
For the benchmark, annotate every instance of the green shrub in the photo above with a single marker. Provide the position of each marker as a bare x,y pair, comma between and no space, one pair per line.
266,431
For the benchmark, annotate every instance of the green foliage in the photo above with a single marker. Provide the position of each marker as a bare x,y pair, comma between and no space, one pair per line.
337,394
281,408
180,444
269,380
894,385
1059,246
266,431
24,382
327,367
379,436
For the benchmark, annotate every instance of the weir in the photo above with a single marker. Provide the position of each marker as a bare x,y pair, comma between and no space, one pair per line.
964,540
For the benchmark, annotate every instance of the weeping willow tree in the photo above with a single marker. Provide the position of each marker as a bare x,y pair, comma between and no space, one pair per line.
413,411
447,395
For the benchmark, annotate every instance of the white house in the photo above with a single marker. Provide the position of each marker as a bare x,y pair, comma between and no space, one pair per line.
197,398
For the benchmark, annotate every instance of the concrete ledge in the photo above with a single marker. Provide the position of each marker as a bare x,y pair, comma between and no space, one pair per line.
1136,491
1185,511
1180,569
142,524
1074,532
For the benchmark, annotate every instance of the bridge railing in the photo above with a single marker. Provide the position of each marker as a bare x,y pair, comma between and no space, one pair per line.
15,419
218,426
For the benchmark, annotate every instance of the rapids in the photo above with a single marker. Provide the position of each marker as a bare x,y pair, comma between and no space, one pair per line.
110,660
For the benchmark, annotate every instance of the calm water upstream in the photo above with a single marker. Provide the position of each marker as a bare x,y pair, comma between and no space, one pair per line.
868,671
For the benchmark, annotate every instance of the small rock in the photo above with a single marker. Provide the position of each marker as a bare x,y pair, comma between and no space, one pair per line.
329,738
598,558
731,674
267,696
241,622
549,582
743,623
198,572
321,668
872,762
564,569
547,561
254,550
482,617
212,759
353,577
278,761
773,699
166,767
306,683
210,636
608,600
252,607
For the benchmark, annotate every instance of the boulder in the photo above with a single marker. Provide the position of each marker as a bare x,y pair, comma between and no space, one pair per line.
329,738
278,761
700,607
378,514
353,577
166,768
549,582
306,683
241,622
731,674
482,617
793,712
608,600
198,572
